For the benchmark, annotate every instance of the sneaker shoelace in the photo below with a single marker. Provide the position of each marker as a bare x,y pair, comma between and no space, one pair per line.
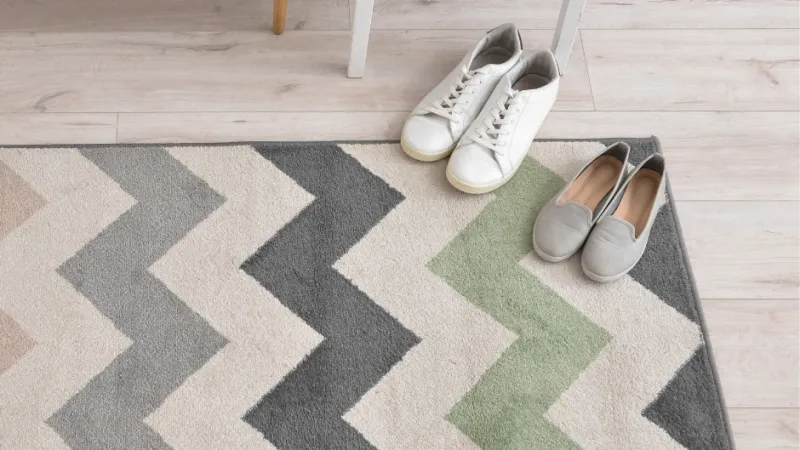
493,129
451,106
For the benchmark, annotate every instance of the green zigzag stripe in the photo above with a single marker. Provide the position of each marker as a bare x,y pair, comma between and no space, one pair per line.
556,342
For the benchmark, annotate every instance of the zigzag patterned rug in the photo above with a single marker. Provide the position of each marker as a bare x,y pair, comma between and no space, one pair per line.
329,296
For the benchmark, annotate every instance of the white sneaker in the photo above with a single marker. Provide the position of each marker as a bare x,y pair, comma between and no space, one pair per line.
438,122
494,146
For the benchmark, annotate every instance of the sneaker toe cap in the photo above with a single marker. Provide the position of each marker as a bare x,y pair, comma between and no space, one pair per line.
474,166
427,135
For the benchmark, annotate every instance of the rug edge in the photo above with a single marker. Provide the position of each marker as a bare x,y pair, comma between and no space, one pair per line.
310,142
701,320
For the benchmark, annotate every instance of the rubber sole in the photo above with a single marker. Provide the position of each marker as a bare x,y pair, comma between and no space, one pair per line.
477,189
601,279
548,258
425,157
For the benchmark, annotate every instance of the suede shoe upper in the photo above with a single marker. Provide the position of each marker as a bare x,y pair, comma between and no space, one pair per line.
563,225
615,245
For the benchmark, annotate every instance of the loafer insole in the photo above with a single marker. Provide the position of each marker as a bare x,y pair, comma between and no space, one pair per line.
638,199
595,182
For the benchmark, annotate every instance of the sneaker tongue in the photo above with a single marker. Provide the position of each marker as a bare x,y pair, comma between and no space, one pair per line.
505,83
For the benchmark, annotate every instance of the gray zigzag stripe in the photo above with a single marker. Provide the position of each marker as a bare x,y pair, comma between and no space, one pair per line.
362,341
170,341
689,407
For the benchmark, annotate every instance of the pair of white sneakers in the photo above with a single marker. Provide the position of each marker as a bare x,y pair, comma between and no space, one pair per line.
486,112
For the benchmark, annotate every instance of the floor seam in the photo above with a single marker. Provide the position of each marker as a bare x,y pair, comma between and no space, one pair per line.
588,75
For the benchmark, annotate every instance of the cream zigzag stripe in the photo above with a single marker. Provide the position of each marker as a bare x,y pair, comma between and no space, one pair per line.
565,158
75,341
389,266
651,341
265,339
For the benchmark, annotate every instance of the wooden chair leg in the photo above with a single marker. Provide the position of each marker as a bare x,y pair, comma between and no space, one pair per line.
566,30
278,16
362,21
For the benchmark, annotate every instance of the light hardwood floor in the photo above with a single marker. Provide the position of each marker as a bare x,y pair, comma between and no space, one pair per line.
716,81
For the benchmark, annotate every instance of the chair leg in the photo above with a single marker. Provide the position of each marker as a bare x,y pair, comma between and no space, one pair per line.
278,16
362,19
566,29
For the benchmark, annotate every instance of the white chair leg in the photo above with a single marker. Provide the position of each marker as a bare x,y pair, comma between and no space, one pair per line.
566,30
362,19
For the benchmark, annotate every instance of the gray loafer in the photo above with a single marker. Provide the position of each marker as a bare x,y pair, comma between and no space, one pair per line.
566,219
620,237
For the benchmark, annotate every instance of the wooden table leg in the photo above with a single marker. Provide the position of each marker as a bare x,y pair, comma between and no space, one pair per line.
278,16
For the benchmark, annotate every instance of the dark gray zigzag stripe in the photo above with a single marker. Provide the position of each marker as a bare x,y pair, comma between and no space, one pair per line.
661,268
170,341
362,342
689,408
682,408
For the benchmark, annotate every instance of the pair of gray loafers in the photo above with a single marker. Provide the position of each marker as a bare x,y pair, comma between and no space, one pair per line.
608,209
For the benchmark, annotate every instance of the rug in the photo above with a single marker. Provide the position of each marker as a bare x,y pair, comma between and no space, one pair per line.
329,296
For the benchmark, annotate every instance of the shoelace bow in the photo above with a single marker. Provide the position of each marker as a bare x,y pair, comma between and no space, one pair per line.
450,107
493,126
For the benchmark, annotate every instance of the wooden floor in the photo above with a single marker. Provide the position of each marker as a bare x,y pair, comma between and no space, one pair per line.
715,80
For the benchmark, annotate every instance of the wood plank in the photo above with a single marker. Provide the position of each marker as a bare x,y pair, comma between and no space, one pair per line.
765,429
599,14
255,126
757,151
724,70
711,156
681,14
755,344
71,128
250,15
239,71
171,15
742,250
464,14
